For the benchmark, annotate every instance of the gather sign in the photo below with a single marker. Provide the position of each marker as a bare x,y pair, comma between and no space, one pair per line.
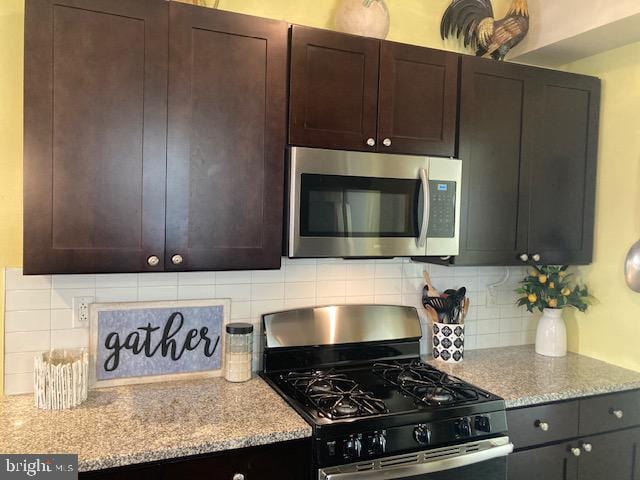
144,342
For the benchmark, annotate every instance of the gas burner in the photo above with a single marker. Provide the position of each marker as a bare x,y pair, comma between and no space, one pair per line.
334,395
428,385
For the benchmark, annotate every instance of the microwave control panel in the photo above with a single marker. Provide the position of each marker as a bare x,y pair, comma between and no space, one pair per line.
442,213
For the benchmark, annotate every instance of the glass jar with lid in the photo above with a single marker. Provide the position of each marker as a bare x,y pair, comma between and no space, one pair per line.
238,352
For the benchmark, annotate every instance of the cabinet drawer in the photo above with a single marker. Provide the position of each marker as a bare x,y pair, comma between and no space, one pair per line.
609,412
543,424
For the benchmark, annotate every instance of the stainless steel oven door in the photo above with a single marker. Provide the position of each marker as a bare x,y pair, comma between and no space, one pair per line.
483,460
354,204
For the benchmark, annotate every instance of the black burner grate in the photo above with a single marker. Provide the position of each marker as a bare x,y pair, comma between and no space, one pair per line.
427,384
334,395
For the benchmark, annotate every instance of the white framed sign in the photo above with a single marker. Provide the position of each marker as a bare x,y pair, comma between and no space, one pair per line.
144,342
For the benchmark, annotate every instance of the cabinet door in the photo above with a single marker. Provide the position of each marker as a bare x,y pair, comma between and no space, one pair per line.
563,144
95,135
418,98
548,463
226,141
609,456
333,90
494,105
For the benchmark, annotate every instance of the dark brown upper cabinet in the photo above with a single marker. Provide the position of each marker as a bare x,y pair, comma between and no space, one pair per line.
358,93
528,140
104,183
418,98
95,135
226,138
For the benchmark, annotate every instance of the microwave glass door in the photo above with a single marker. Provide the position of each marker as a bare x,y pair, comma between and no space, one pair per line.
360,207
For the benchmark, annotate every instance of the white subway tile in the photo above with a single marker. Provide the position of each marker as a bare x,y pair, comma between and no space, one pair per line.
388,286
359,270
388,299
267,291
360,299
262,307
440,271
117,280
414,270
300,273
152,294
237,293
464,271
470,342
412,286
26,321
121,294
63,297
488,326
196,278
335,288
300,290
508,325
337,271
71,338
61,319
291,303
233,278
337,300
487,313
15,280
388,270
360,288
267,276
510,311
528,337
196,292
73,281
510,338
157,279
19,362
18,383
27,300
488,341
240,310
27,341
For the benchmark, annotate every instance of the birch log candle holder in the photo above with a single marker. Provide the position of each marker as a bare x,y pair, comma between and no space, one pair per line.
61,379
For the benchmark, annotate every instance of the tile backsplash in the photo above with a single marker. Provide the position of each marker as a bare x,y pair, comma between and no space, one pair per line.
38,312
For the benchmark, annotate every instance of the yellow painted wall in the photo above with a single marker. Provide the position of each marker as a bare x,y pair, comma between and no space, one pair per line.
611,330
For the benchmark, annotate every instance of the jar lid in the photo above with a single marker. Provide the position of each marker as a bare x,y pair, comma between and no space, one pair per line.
239,328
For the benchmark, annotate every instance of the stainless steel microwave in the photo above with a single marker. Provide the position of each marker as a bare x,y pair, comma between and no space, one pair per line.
355,204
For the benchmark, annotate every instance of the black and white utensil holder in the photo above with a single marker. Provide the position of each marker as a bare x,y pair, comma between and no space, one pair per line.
448,342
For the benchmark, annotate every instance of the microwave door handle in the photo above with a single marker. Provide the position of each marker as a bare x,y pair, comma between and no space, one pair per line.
426,205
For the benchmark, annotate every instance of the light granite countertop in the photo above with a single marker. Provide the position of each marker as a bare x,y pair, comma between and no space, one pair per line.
141,423
523,378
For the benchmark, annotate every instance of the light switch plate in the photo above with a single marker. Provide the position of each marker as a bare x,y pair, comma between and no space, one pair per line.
81,311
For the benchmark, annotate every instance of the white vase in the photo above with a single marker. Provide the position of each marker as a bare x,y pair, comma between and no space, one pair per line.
369,18
551,337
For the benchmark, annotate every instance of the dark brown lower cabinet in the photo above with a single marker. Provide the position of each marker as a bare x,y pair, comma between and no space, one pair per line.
546,463
279,461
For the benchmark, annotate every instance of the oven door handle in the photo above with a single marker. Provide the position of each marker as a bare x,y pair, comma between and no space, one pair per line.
426,207
407,471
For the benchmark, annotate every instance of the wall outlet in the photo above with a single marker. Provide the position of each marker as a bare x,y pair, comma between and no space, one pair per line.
81,311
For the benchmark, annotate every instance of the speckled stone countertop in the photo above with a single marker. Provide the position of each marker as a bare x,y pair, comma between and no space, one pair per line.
522,377
135,424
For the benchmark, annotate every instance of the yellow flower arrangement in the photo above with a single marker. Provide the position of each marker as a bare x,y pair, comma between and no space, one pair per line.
549,287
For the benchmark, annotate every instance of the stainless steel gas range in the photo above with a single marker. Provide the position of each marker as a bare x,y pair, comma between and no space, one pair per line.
378,412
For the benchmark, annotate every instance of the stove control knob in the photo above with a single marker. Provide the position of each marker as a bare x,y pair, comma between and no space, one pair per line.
463,427
483,424
422,434
352,447
378,443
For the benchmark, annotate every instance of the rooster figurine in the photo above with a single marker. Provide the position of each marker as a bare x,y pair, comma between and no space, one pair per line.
474,20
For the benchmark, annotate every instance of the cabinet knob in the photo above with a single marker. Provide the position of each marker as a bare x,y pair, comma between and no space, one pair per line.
153,261
524,257
575,451
617,413
587,447
544,426
176,259
536,257
386,142
371,142
238,476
